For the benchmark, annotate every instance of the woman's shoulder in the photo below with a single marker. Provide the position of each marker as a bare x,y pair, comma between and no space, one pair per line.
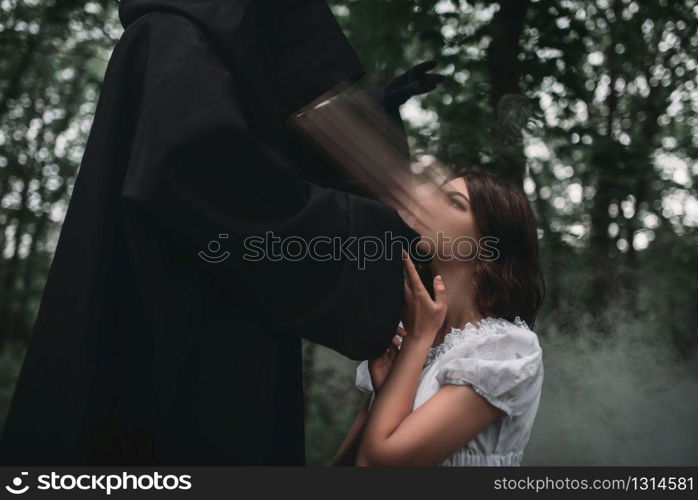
487,336
501,359
518,331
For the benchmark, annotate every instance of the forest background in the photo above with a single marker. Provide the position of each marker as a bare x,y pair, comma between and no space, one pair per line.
589,106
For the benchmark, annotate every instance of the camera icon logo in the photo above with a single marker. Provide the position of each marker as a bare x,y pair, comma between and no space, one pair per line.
16,488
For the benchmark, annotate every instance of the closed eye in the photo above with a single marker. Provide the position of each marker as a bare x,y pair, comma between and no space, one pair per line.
452,198
456,203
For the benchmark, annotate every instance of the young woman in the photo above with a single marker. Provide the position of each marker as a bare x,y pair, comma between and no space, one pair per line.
461,382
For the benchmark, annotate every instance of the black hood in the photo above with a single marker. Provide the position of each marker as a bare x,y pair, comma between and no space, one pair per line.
296,45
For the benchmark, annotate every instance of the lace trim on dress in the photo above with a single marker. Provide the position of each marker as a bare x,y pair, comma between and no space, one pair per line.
469,457
484,326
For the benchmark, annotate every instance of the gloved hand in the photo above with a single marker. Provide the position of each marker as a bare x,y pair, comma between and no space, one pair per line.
414,81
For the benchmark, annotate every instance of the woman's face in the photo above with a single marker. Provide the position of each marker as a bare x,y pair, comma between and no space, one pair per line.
453,233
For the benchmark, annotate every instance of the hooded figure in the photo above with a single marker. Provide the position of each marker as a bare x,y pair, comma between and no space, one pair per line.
157,341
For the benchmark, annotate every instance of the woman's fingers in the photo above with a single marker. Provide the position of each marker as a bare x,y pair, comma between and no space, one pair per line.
408,290
439,291
413,277
401,331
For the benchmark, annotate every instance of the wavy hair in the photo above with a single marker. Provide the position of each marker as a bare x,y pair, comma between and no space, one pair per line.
511,284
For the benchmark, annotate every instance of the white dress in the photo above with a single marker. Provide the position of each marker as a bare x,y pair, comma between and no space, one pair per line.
503,362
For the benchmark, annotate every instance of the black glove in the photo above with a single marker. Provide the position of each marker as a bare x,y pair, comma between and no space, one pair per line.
414,81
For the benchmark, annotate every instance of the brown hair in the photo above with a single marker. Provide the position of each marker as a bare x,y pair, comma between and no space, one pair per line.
511,284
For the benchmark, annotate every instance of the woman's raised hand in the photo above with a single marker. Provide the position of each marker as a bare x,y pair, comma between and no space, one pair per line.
424,317
379,367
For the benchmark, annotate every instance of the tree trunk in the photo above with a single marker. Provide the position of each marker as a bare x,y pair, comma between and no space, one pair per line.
510,108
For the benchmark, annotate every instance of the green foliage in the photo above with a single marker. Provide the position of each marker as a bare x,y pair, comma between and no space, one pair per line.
589,105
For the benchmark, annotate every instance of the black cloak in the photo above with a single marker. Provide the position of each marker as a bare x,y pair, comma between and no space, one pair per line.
143,352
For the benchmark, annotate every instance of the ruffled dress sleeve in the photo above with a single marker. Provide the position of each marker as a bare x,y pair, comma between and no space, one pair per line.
363,379
363,376
505,368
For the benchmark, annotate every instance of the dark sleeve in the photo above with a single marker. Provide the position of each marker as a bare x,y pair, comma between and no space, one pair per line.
313,163
199,169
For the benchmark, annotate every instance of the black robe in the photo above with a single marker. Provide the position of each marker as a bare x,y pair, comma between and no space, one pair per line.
143,352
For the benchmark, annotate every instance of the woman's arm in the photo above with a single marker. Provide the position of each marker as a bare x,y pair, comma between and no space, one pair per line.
346,455
378,369
393,433
395,401
427,436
